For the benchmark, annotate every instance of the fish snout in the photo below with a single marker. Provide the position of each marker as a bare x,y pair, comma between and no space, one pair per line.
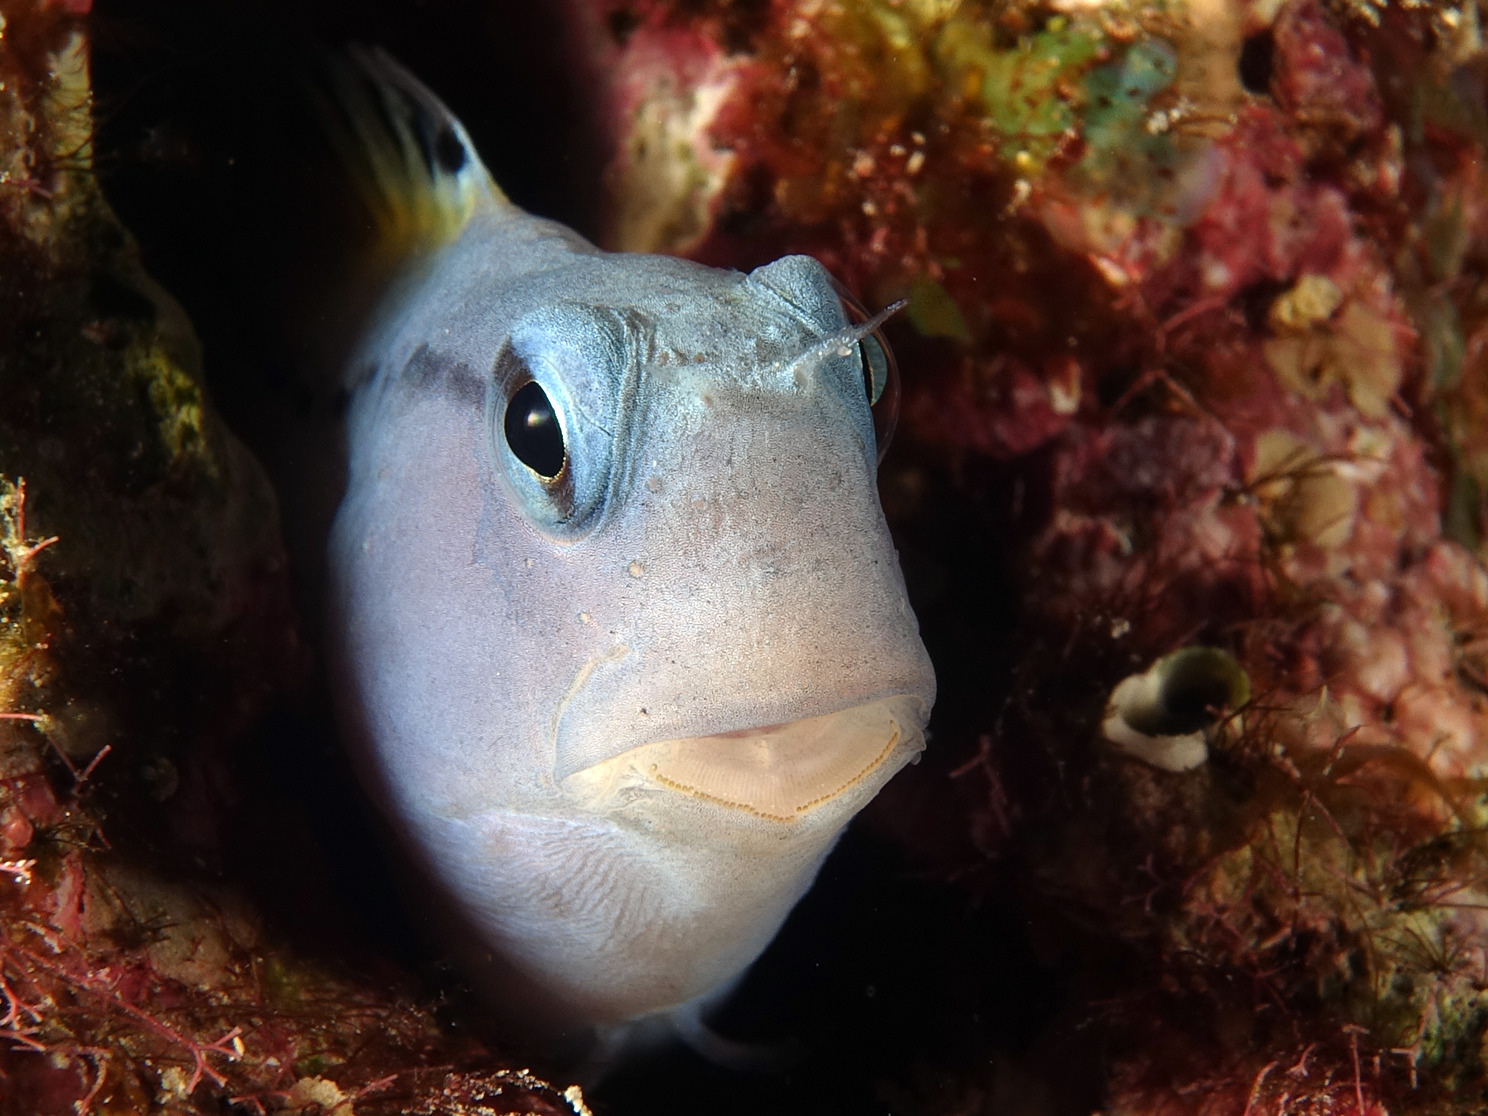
766,658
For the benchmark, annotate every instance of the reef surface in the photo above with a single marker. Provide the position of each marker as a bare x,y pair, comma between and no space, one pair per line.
1195,356
1191,488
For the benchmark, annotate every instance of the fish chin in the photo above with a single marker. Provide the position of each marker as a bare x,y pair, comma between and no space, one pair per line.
780,773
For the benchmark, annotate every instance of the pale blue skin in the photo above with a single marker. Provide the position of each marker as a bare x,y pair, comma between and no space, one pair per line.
723,564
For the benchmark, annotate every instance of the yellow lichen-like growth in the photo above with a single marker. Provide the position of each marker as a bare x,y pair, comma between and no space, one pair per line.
176,397
27,608
29,616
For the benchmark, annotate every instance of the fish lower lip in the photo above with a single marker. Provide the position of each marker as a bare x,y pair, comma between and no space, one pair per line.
780,772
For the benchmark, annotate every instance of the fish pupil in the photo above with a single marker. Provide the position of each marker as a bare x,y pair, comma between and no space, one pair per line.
533,432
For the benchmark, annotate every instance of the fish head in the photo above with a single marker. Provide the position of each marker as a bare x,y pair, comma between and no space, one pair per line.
618,632
623,632
714,509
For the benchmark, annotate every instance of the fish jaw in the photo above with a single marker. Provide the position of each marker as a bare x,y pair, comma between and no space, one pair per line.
831,763
646,893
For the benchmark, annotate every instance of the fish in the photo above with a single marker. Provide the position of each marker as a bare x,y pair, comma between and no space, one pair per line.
618,635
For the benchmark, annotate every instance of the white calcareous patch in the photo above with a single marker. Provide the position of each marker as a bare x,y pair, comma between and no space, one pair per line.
1166,715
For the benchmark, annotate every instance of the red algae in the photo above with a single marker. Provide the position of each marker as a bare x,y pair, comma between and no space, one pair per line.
144,625
1196,357
1199,323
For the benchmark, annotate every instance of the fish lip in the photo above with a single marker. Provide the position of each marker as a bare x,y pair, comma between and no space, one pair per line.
752,730
781,772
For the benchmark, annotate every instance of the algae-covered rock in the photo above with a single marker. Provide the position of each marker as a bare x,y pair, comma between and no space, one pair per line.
1196,357
167,519
144,624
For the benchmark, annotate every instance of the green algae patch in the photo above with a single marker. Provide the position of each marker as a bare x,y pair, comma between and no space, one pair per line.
934,313
1068,84
1032,91
1129,147
144,624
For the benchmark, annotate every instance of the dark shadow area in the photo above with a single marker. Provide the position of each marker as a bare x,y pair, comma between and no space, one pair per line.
883,981
212,152
209,149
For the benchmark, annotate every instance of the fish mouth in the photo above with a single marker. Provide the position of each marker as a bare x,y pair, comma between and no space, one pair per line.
779,772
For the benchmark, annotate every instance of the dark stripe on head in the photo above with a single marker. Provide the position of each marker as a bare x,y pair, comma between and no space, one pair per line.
438,373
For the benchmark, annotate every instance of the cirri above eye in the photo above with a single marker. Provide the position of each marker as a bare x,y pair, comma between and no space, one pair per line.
880,372
533,431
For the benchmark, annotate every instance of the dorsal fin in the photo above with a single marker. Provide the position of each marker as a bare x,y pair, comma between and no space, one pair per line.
408,156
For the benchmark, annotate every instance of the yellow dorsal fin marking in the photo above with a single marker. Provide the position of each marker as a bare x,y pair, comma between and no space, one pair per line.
409,158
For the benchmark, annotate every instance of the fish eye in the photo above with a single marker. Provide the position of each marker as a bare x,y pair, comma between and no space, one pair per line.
880,372
533,431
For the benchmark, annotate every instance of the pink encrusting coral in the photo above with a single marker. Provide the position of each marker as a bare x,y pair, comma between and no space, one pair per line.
1199,318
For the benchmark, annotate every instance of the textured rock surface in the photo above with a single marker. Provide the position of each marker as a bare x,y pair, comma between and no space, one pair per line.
144,624
1196,355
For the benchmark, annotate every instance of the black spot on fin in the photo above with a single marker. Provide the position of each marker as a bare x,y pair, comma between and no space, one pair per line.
449,151
410,158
